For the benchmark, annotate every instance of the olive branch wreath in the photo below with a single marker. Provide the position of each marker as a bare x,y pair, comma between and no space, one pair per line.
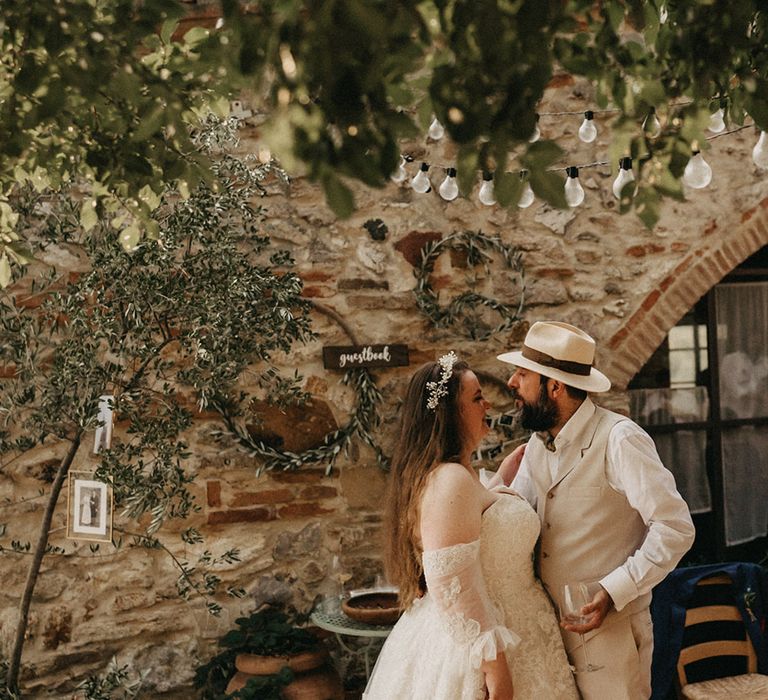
364,419
478,248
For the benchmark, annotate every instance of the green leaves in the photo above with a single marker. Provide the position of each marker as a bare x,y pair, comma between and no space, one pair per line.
116,677
541,154
646,205
91,93
5,270
338,195
756,103
507,188
549,187
269,632
467,165
211,290
101,91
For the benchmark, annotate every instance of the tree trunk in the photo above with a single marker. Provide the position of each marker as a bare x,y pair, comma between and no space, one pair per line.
12,681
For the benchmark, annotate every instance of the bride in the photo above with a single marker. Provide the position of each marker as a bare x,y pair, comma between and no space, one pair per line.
477,623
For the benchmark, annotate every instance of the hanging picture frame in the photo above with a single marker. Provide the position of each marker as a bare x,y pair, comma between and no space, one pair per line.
103,434
89,508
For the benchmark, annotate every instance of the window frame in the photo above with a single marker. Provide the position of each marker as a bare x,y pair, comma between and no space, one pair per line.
710,526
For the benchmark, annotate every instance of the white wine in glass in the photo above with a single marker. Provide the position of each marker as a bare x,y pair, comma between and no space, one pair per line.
575,597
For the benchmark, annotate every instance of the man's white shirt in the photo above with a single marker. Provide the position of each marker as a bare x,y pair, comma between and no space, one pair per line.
634,469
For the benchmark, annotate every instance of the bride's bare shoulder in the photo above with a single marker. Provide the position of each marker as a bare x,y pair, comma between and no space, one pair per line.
449,480
450,474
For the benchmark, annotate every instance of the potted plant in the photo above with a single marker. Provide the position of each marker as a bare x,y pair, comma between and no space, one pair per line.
268,656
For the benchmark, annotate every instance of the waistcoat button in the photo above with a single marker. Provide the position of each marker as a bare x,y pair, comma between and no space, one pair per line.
550,495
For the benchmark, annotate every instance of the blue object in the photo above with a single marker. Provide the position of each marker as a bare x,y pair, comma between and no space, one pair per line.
669,603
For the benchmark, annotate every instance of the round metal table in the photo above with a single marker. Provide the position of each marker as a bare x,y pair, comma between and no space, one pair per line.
329,616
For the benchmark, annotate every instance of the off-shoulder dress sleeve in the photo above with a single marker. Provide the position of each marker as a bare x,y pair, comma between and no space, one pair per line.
455,582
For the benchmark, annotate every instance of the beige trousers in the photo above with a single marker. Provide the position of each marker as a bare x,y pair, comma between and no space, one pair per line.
624,650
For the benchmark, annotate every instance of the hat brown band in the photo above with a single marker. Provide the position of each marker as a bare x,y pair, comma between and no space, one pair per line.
563,365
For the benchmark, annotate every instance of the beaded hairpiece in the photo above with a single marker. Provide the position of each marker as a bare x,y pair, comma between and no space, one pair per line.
439,388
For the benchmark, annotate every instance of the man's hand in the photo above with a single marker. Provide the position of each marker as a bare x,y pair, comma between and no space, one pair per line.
596,611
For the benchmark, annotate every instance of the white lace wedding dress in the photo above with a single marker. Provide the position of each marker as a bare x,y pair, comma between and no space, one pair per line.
482,597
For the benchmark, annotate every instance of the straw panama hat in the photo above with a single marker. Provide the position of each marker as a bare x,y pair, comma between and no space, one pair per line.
560,351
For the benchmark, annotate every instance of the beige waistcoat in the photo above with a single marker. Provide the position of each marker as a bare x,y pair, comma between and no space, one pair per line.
587,528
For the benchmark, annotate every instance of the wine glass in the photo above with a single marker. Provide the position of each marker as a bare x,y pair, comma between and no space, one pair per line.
575,597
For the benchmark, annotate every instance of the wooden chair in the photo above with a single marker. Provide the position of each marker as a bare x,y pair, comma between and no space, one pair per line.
717,660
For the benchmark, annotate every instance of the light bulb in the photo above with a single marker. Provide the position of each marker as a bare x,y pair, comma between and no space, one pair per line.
574,192
625,175
652,125
399,175
760,151
420,181
697,172
526,196
588,130
716,123
536,135
436,130
486,194
449,189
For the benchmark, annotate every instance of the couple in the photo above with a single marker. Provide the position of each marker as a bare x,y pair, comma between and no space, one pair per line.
589,487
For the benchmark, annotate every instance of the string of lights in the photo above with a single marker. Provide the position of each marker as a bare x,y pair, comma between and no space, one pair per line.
697,173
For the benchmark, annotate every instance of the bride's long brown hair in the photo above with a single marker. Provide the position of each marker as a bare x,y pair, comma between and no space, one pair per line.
427,438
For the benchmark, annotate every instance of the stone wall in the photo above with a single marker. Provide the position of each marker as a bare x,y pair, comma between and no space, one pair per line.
589,266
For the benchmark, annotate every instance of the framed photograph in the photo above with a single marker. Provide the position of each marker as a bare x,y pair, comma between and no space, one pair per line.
103,434
89,515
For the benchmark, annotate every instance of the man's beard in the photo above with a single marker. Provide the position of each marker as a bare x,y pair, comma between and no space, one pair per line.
541,415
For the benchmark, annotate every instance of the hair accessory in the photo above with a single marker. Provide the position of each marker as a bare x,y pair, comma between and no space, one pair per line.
439,388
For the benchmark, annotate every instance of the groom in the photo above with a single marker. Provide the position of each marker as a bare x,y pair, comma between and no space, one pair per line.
610,513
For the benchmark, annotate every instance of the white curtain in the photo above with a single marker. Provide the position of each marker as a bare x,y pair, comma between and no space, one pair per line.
683,452
742,341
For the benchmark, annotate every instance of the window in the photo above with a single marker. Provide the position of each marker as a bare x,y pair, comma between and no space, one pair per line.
687,354
703,396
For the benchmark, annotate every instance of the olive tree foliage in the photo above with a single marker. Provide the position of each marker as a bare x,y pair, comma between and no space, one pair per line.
178,324
98,93
349,80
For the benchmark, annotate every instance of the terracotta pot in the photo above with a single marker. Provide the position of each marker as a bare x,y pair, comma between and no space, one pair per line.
316,683
237,681
320,684
258,665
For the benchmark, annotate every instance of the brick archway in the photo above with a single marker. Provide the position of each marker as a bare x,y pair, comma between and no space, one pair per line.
632,345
